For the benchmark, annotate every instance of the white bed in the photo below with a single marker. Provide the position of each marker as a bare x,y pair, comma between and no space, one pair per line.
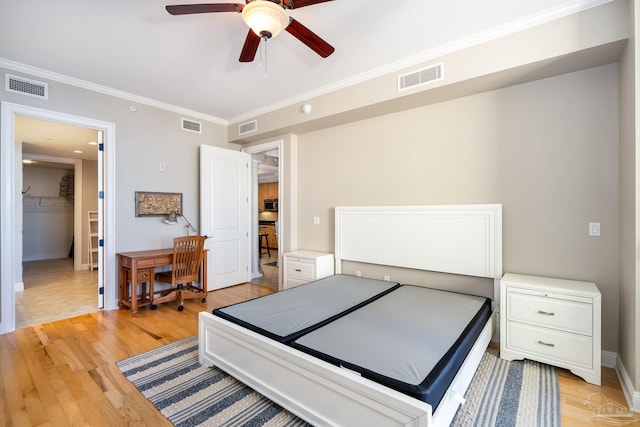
457,239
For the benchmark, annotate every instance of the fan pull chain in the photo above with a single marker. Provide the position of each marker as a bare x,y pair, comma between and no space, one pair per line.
265,57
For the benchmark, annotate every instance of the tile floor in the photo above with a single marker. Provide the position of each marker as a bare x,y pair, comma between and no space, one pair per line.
54,291
269,277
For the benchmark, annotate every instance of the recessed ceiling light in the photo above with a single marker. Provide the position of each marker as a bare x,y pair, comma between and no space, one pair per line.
92,143
27,161
77,151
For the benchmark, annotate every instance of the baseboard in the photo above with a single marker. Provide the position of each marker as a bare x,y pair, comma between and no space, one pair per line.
608,359
632,395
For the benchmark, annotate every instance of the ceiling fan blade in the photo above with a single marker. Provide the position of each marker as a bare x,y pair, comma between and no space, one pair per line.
250,47
308,37
296,4
187,9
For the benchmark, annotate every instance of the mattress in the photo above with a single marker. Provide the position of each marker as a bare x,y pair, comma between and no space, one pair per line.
287,315
414,339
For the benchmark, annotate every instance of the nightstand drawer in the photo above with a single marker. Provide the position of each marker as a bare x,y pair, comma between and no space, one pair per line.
305,266
550,345
571,316
291,282
301,269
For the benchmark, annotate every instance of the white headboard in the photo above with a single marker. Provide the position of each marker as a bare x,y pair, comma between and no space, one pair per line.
458,239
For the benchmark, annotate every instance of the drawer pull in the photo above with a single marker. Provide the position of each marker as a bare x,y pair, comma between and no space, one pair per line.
546,313
546,343
297,269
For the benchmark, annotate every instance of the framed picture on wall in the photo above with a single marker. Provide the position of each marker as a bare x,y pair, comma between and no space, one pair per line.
157,204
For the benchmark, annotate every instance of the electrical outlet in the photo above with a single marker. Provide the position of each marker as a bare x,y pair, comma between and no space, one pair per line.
163,167
387,278
316,220
358,273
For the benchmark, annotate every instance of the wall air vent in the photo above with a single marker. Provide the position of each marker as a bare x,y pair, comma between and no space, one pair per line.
248,127
191,125
420,77
26,86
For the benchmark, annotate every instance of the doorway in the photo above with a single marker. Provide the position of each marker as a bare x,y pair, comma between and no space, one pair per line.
57,194
267,217
11,272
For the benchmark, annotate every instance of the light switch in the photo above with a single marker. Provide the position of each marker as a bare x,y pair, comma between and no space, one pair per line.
316,220
594,229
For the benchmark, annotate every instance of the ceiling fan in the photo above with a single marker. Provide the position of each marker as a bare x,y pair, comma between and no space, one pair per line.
265,18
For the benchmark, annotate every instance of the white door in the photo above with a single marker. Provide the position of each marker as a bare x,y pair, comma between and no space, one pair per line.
224,214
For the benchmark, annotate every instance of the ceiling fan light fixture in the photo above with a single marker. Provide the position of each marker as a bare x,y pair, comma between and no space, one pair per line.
265,18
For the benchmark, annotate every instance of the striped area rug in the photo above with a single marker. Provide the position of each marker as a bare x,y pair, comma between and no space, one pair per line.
188,394
519,393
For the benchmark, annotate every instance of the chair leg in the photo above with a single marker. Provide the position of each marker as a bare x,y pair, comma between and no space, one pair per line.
171,296
268,248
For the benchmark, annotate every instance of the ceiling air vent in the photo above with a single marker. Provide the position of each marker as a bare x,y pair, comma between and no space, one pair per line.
26,87
191,125
248,127
420,77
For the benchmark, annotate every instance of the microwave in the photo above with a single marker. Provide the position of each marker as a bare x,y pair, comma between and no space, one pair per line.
271,205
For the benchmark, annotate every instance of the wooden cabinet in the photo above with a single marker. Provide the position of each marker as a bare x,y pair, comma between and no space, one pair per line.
553,321
267,190
305,266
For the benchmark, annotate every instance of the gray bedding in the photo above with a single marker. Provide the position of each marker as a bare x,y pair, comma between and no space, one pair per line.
400,336
287,314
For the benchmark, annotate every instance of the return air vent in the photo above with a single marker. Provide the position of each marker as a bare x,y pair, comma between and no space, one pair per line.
191,126
420,77
26,86
248,127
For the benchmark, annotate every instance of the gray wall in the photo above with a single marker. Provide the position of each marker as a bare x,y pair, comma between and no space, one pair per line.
144,139
629,196
547,150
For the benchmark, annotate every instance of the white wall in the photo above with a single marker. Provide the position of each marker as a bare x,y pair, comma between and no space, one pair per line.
47,218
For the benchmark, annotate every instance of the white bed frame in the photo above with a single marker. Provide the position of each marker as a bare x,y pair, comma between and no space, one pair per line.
458,239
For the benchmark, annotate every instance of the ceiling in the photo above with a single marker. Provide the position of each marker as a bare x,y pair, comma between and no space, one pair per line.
191,61
48,139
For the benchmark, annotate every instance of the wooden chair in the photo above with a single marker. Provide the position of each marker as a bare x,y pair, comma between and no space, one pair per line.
187,258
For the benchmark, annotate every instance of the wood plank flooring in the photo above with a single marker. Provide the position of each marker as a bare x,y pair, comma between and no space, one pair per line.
63,373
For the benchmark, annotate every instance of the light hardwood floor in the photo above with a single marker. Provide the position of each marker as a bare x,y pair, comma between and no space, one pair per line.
63,373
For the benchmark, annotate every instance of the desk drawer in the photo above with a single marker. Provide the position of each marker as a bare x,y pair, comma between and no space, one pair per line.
165,260
571,316
144,275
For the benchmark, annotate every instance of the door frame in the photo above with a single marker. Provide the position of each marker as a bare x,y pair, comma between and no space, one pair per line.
282,216
10,205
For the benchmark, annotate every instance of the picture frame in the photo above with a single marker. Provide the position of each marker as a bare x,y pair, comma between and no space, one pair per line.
157,204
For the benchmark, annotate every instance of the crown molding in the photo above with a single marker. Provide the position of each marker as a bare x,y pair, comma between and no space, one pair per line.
513,27
72,81
495,33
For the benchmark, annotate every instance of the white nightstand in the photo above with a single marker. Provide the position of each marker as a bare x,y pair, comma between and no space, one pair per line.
305,266
553,321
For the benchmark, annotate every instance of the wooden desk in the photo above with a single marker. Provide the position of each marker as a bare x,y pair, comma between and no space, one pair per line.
146,259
